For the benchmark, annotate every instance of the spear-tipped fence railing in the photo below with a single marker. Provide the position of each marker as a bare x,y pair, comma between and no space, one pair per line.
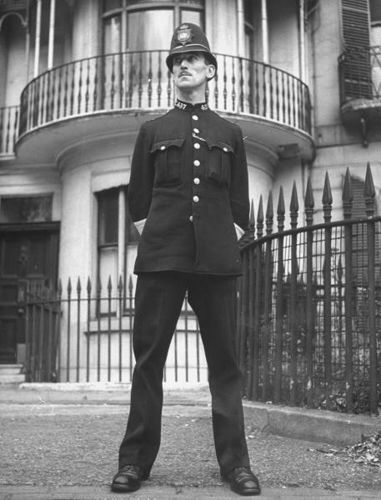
85,335
310,304
308,316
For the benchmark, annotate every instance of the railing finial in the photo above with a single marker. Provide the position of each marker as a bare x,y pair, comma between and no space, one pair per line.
281,210
88,287
260,218
309,203
294,207
369,192
327,199
347,195
269,214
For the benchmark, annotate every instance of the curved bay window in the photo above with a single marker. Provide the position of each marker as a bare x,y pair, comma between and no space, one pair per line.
145,24
117,238
136,39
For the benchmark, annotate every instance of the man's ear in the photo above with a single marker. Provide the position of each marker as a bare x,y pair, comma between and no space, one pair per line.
211,71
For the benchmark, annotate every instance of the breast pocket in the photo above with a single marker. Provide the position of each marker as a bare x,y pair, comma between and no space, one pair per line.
168,161
219,162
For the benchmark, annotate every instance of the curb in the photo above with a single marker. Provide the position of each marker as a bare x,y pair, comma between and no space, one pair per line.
299,423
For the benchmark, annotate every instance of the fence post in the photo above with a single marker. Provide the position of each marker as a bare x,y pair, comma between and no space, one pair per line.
327,210
369,193
294,209
348,299
267,299
252,333
279,301
310,320
257,302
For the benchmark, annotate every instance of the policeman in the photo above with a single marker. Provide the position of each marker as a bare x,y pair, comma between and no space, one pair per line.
188,196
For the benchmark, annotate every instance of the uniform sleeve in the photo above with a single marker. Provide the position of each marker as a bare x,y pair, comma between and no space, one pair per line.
239,189
141,180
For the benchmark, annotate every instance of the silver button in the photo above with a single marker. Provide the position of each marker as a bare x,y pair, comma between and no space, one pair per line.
194,117
196,199
225,149
162,148
196,145
196,163
196,180
196,131
191,218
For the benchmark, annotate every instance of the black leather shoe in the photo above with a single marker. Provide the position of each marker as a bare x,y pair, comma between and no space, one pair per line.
128,478
243,481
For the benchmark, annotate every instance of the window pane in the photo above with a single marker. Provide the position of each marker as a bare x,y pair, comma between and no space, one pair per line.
375,11
111,39
132,234
191,16
108,264
145,33
108,217
32,209
111,4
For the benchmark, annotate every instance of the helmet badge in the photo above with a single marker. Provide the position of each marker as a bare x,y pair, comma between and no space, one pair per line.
184,34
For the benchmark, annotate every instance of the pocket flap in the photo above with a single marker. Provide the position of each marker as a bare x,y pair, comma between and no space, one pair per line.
163,145
224,146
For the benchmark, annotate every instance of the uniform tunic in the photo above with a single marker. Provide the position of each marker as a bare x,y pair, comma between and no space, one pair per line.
189,186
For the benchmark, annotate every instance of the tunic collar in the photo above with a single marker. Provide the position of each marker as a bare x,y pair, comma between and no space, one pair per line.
186,106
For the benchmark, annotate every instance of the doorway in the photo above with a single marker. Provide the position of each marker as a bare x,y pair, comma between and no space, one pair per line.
28,256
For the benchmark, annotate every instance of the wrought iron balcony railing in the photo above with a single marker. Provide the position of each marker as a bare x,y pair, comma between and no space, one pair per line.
9,124
360,74
140,81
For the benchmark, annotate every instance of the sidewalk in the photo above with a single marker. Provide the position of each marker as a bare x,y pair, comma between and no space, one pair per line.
60,442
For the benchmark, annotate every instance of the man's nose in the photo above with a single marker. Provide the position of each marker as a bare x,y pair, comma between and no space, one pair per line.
184,62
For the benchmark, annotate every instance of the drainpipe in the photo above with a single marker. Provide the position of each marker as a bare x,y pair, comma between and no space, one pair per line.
265,31
51,33
37,40
302,42
241,28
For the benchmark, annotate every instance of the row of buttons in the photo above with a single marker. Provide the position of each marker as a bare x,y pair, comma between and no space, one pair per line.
196,163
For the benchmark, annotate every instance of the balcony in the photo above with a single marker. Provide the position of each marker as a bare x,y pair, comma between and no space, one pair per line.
118,91
360,85
9,125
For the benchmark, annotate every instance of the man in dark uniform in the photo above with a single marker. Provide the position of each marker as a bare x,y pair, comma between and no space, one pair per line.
188,196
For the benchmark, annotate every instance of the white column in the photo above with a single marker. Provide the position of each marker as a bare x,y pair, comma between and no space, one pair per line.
51,33
241,28
265,31
37,40
302,42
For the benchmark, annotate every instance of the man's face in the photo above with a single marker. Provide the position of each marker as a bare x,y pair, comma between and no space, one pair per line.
191,70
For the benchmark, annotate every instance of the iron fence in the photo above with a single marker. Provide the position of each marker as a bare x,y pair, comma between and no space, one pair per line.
84,334
136,80
310,305
9,124
308,316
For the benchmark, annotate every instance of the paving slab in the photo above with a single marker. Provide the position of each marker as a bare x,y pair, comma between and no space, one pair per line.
170,493
300,423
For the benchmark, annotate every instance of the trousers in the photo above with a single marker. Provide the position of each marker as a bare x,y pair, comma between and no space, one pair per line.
158,301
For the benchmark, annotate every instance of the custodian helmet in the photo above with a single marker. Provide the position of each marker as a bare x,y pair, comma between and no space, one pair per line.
189,37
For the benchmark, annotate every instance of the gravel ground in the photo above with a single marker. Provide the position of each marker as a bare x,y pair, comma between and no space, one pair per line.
53,445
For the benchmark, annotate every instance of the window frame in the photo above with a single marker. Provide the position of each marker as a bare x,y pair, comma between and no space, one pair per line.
178,6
